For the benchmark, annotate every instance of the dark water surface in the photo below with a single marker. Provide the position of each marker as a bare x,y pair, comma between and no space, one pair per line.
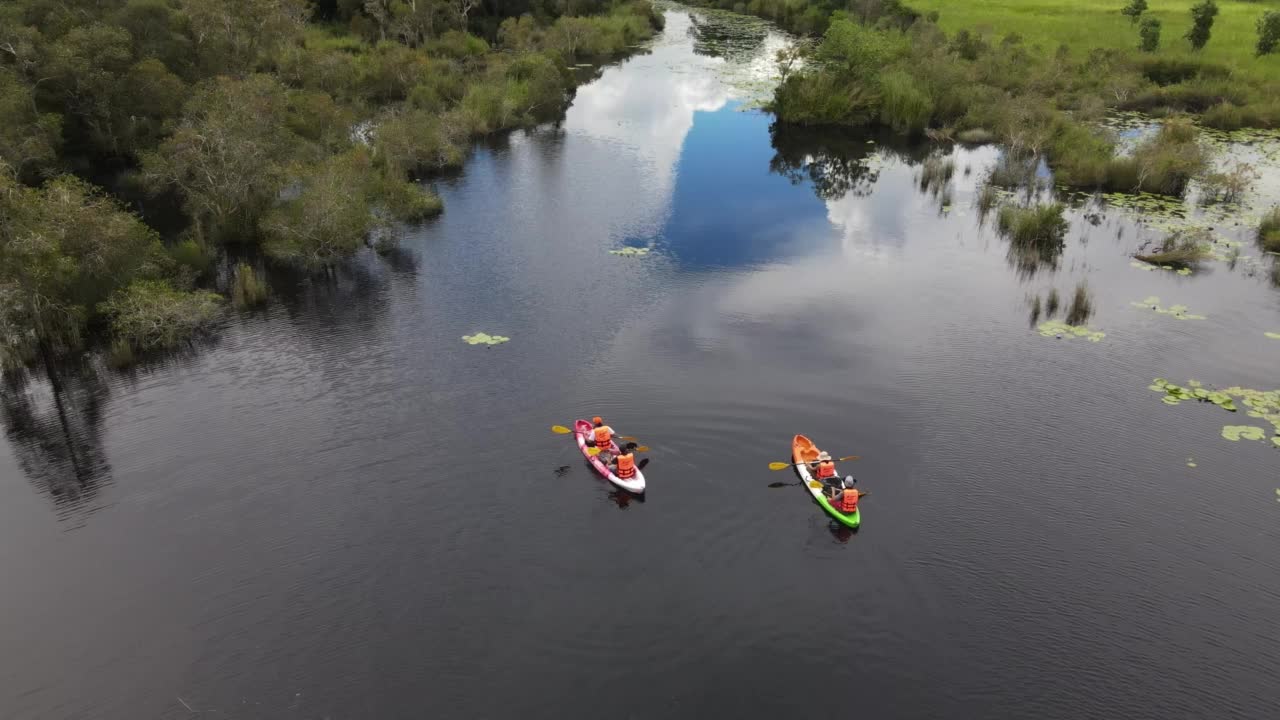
340,510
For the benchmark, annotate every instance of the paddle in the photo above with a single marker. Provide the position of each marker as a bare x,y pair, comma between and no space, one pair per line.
593,451
562,430
784,466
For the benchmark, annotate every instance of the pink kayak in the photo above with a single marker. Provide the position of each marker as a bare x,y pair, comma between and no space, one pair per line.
582,430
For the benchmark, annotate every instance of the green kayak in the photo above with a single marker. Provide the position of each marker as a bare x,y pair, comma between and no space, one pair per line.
803,451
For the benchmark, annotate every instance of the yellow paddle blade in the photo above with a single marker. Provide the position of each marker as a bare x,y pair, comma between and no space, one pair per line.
593,451
849,457
779,466
560,430
815,484
628,438
642,448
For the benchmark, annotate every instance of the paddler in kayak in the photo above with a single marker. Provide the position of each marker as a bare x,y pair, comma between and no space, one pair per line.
845,500
624,465
602,437
824,468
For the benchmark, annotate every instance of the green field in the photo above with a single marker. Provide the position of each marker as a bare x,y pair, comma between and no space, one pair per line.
1086,24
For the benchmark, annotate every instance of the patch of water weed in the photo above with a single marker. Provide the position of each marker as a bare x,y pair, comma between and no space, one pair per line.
484,339
1035,233
1061,330
1273,336
1263,405
1178,311
1081,306
1181,250
630,252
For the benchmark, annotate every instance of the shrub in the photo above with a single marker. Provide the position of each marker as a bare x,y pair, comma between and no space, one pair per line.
249,287
153,315
1202,15
1168,71
194,257
1269,230
1227,186
1182,249
1149,35
458,45
1040,227
1167,162
905,106
1268,32
976,136
411,140
1134,10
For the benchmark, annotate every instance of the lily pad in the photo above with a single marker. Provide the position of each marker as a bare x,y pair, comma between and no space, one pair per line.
1060,330
484,339
630,252
1273,336
1177,311
1235,433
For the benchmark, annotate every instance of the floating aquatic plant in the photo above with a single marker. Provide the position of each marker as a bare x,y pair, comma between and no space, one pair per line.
1263,405
1273,336
484,339
630,252
1236,433
1060,330
1178,311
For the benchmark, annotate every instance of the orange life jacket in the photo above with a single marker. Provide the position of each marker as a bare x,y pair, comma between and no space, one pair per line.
826,470
626,466
603,438
848,501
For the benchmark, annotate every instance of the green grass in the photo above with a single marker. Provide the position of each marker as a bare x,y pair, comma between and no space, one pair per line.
1086,24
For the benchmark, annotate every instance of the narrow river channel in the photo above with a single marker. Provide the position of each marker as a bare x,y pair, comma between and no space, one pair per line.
338,509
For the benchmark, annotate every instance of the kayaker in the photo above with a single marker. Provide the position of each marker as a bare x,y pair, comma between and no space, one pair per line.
602,437
625,464
846,500
824,469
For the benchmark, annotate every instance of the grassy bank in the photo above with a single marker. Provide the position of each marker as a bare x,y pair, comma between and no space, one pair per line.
1083,25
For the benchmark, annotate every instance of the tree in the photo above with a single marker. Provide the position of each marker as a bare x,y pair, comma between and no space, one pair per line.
86,69
1268,32
328,219
1202,15
158,31
1149,34
227,155
64,248
29,139
1134,10
238,36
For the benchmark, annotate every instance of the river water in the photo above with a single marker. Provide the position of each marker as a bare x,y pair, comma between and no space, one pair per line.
338,509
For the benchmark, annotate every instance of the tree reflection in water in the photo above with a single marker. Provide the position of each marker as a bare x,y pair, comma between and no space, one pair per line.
54,424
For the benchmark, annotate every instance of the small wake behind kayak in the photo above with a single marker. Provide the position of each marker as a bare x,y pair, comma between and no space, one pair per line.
582,429
803,451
